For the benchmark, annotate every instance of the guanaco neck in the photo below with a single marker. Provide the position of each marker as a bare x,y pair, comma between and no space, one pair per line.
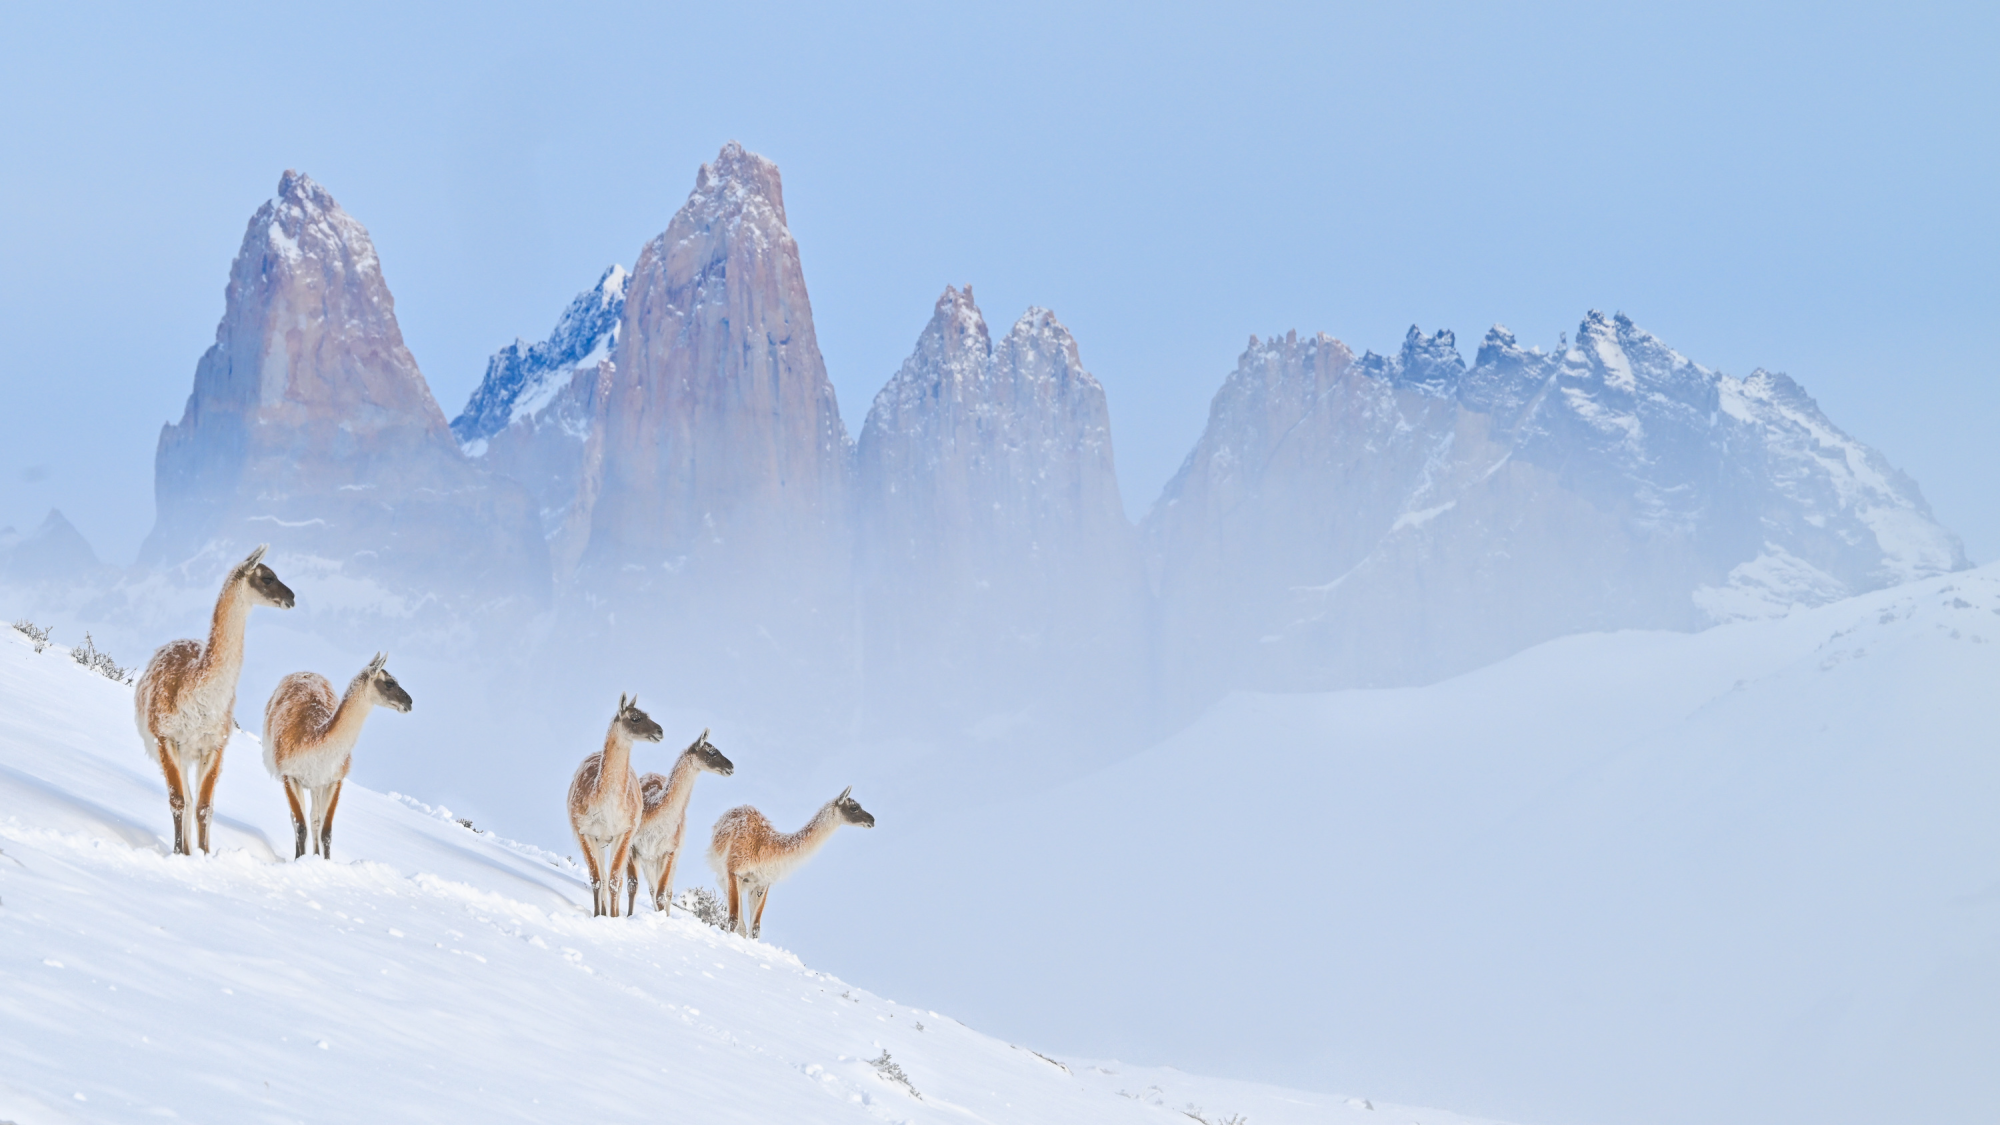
617,769
807,840
223,655
344,729
680,786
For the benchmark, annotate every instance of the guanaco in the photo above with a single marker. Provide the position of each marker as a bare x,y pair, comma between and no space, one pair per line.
748,855
604,803
656,842
185,702
309,741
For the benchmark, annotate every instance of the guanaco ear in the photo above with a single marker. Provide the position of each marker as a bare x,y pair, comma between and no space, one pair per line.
844,793
375,665
704,735
256,556
621,703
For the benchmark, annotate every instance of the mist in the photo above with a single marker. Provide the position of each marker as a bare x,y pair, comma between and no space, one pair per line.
1571,722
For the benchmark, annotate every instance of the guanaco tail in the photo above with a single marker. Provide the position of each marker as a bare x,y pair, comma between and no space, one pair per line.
604,804
748,855
185,702
309,741
656,842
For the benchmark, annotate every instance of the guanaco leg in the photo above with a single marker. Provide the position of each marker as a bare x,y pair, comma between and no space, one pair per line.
326,820
664,889
734,898
757,924
596,879
170,765
211,771
632,884
621,858
298,819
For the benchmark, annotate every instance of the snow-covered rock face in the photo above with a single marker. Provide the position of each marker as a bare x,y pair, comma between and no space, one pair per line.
1395,519
523,380
995,560
311,428
533,418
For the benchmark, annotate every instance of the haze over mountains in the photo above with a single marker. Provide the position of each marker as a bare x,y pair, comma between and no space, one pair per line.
949,608
669,472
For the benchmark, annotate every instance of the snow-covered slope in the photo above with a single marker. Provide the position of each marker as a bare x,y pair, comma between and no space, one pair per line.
1746,875
432,972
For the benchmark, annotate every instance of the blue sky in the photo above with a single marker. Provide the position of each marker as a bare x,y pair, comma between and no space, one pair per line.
1808,188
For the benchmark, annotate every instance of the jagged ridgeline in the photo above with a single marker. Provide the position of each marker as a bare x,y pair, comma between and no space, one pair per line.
669,475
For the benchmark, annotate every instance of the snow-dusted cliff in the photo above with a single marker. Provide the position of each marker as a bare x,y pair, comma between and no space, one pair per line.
311,428
723,445
534,417
524,381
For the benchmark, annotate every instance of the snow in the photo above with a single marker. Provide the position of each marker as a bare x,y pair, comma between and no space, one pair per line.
1744,875
1420,518
432,966
1770,585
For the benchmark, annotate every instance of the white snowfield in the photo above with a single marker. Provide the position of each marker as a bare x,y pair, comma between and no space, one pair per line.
433,973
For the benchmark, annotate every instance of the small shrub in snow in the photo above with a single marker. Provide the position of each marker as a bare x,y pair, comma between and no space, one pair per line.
887,1068
36,633
705,905
101,663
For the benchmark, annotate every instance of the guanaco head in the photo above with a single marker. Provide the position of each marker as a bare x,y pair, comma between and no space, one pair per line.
383,689
259,581
637,725
708,757
850,810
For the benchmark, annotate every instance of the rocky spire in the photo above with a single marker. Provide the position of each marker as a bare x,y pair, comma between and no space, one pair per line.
721,432
311,427
996,560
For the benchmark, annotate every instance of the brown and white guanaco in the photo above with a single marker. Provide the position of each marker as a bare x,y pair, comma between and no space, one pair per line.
604,804
656,842
309,741
748,855
185,701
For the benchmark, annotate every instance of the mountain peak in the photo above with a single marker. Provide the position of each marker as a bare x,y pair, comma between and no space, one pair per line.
298,188
54,552
1430,364
736,182
957,312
